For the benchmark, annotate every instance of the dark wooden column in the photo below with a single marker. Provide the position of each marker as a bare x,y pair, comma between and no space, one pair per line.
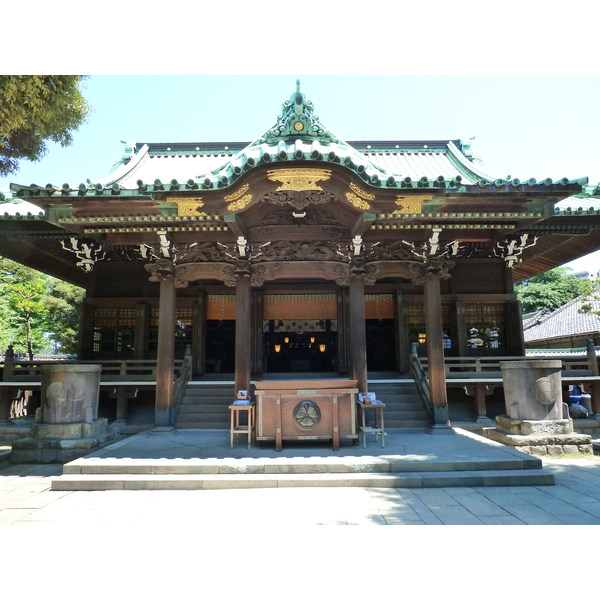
166,353
401,334
243,334
358,333
435,349
199,334
343,345
257,331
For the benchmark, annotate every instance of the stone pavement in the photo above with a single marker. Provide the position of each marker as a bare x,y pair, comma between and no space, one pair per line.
26,499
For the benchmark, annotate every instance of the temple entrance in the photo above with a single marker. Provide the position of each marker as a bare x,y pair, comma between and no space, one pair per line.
299,346
300,333
381,345
220,346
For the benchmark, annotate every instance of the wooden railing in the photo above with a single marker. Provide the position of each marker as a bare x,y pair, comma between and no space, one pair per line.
465,367
185,373
112,370
420,376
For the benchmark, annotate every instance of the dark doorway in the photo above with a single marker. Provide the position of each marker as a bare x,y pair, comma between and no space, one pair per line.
299,351
381,345
220,346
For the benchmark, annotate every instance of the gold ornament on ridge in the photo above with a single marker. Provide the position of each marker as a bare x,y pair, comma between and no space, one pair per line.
299,180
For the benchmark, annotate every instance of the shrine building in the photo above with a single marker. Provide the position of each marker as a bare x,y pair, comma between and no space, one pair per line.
299,255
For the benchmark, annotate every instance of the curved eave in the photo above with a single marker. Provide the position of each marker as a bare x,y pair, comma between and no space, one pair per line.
402,165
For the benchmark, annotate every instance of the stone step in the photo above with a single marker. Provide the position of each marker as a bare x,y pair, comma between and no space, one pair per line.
285,465
274,480
204,406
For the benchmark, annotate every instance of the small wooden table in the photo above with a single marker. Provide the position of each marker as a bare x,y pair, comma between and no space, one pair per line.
235,427
376,429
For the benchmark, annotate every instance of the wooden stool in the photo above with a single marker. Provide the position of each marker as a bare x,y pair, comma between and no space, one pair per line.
235,427
377,429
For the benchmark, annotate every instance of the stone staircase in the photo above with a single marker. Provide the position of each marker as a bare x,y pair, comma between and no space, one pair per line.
205,404
403,406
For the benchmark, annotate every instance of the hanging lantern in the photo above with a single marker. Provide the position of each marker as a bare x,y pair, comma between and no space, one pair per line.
322,347
277,348
286,340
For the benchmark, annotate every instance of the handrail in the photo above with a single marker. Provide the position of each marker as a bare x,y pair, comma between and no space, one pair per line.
422,383
115,370
463,367
185,372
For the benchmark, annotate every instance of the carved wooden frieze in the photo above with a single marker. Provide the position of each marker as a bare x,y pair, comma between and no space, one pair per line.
301,251
205,252
309,217
298,199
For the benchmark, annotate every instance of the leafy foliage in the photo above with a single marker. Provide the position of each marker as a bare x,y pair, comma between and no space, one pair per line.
37,311
551,290
34,109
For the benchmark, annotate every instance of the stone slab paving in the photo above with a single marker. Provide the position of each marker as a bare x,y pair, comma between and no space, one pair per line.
26,499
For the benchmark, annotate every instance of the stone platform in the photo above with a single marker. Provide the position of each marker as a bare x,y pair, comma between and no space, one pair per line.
202,459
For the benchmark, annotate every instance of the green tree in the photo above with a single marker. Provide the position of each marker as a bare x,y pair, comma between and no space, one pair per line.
35,109
551,290
64,308
37,310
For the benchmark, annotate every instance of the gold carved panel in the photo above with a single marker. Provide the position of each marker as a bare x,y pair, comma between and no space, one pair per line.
299,180
188,206
239,199
411,204
358,197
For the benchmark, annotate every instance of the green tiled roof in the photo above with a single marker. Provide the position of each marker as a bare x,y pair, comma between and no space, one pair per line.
299,136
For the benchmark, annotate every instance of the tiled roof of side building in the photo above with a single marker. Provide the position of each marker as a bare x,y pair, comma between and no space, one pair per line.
568,320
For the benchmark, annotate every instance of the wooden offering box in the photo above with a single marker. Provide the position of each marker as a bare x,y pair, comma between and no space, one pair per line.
306,410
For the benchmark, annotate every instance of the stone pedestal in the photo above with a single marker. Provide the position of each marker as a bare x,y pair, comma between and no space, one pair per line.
67,424
543,437
535,422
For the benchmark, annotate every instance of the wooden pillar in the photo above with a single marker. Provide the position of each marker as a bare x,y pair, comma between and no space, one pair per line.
343,345
199,335
358,332
166,353
257,332
435,349
243,335
401,334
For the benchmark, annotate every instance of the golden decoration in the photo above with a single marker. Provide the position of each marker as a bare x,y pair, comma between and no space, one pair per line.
299,180
411,204
238,194
241,203
361,193
357,202
188,206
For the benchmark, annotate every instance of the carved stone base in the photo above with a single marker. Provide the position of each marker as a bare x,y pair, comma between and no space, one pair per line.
543,437
61,443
